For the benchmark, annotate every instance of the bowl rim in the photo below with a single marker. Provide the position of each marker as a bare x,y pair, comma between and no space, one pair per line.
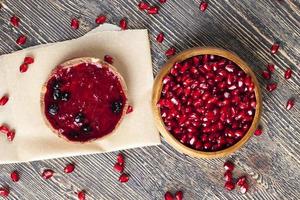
156,93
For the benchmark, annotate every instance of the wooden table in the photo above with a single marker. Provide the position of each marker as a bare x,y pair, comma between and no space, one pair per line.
247,27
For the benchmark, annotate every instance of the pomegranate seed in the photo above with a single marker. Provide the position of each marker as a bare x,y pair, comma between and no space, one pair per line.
170,52
160,37
4,192
47,173
120,159
271,87
258,132
290,104
124,178
4,129
108,59
179,195
23,68
162,1
244,188
15,176
129,109
241,180
228,175
101,19
123,24
228,166
266,75
81,195
118,167
10,135
274,48
168,196
229,185
69,168
75,23
28,60
143,5
271,68
4,100
21,40
14,20
203,6
288,73
153,10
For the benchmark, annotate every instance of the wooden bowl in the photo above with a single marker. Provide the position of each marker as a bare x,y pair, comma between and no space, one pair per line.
75,62
156,93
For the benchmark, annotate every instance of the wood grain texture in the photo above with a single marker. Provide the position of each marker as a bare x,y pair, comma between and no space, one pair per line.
246,27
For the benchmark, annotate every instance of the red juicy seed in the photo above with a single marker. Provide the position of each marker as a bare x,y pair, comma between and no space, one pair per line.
290,104
143,5
266,75
69,168
179,195
47,173
118,167
129,109
229,185
74,23
23,67
120,159
14,20
101,19
123,24
4,100
4,192
271,68
203,6
10,135
228,176
124,178
258,132
244,188
170,52
4,129
108,59
15,176
28,60
288,73
81,195
162,1
21,40
160,37
168,196
271,87
153,10
241,180
274,48
228,166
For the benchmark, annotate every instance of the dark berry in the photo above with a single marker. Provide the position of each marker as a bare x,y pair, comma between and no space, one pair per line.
79,118
56,95
65,96
53,109
86,128
116,106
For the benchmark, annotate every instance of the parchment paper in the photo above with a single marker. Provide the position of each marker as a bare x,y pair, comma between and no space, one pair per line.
34,140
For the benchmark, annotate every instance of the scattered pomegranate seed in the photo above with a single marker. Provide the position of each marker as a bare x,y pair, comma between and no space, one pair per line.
229,185
15,176
153,10
101,19
21,40
4,100
168,196
170,52
69,168
47,173
123,24
4,192
129,109
143,5
4,129
274,48
108,59
23,68
288,73
75,23
28,60
179,195
124,178
266,75
120,159
14,20
203,6
228,166
81,195
241,180
271,67
10,135
160,37
290,104
271,87
118,167
228,175
244,188
162,1
258,132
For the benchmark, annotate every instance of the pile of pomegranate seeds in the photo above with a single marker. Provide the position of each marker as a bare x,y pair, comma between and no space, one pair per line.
151,10
47,173
75,23
27,61
4,192
160,37
207,102
10,134
178,196
101,19
69,168
15,177
21,40
123,24
4,100
119,167
274,48
108,59
203,6
14,20
81,195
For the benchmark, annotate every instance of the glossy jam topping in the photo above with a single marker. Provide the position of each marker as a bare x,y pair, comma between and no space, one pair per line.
84,102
